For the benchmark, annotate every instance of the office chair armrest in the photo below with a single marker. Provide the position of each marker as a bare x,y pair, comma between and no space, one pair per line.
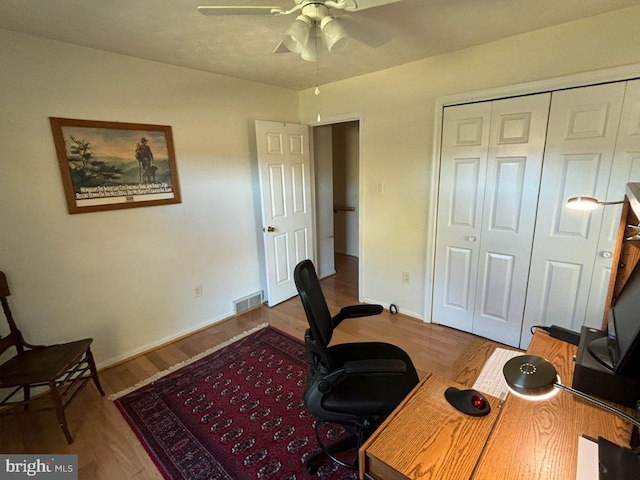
375,366
356,311
325,382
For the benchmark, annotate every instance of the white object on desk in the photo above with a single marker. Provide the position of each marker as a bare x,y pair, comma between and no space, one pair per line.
588,468
491,380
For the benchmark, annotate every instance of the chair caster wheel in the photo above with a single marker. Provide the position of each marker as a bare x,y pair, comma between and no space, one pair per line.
310,467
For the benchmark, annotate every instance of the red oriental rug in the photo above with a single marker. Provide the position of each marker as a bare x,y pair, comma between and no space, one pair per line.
236,413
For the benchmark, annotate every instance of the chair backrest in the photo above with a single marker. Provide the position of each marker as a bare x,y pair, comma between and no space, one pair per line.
315,307
14,339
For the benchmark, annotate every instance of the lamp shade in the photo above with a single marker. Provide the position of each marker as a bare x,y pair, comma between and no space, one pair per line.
335,38
530,376
298,34
582,203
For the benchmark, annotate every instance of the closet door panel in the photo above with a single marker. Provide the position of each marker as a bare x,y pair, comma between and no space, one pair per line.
575,173
497,286
561,288
626,168
458,278
465,139
514,165
581,139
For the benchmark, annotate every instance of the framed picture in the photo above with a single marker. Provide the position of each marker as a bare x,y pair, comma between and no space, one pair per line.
114,165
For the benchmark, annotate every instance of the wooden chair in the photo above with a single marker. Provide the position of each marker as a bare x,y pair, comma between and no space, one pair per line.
64,368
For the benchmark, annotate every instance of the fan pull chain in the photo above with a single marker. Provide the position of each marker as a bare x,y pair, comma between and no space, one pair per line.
317,89
317,93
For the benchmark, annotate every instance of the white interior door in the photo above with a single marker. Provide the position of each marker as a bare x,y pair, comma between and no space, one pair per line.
323,164
465,146
516,148
287,210
583,126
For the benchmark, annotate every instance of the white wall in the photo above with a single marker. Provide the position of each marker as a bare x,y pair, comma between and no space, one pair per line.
397,108
127,277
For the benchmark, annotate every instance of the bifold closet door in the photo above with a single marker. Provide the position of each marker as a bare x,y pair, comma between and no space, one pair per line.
490,171
465,147
625,169
516,148
583,128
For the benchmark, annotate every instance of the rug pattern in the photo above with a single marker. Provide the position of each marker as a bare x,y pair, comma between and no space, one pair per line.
235,414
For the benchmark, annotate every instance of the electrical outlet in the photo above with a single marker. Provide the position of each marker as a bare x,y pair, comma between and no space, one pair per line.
198,290
406,277
380,188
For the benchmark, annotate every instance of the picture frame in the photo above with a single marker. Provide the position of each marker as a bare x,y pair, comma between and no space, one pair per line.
115,165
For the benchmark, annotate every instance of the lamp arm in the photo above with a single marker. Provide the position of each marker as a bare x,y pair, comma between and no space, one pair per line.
595,401
620,202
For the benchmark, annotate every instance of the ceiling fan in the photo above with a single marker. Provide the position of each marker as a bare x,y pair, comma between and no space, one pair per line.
314,25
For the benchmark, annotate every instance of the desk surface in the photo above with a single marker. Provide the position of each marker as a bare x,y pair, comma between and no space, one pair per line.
539,440
528,440
428,439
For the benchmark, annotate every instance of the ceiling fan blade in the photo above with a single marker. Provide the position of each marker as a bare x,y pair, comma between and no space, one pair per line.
281,48
372,36
356,5
237,10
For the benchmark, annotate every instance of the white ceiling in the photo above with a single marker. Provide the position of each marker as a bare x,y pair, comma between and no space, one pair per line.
174,32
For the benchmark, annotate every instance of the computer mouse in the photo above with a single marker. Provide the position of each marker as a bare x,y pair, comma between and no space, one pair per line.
470,402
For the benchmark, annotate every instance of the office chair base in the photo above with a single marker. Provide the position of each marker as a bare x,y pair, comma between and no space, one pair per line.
353,441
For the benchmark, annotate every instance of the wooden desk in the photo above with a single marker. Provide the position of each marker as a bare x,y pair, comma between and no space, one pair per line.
528,440
427,438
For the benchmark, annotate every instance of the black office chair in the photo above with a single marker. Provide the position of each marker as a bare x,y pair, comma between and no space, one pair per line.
355,385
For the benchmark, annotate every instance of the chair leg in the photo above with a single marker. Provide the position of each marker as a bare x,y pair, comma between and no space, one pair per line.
94,372
59,408
27,396
313,462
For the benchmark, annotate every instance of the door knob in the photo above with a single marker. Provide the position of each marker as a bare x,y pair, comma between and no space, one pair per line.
472,238
270,229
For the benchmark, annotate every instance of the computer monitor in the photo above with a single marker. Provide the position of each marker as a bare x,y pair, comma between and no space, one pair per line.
619,351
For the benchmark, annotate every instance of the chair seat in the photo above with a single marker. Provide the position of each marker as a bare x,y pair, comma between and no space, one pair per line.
42,364
369,395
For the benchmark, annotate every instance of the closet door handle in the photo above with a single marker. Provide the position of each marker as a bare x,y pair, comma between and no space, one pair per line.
472,239
606,254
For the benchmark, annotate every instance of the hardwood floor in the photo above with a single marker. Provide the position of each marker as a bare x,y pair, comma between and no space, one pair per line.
108,449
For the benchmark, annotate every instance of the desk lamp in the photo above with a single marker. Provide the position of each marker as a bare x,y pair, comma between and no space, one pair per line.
587,203
535,378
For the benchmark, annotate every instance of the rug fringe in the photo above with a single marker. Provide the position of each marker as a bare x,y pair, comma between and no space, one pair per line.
164,373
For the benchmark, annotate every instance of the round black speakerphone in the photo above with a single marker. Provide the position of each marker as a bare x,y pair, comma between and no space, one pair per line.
470,402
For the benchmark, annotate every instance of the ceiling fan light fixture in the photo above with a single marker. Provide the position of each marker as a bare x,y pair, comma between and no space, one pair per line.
335,37
310,50
298,35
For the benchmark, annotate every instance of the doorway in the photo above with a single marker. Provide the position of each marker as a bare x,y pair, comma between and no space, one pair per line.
337,174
